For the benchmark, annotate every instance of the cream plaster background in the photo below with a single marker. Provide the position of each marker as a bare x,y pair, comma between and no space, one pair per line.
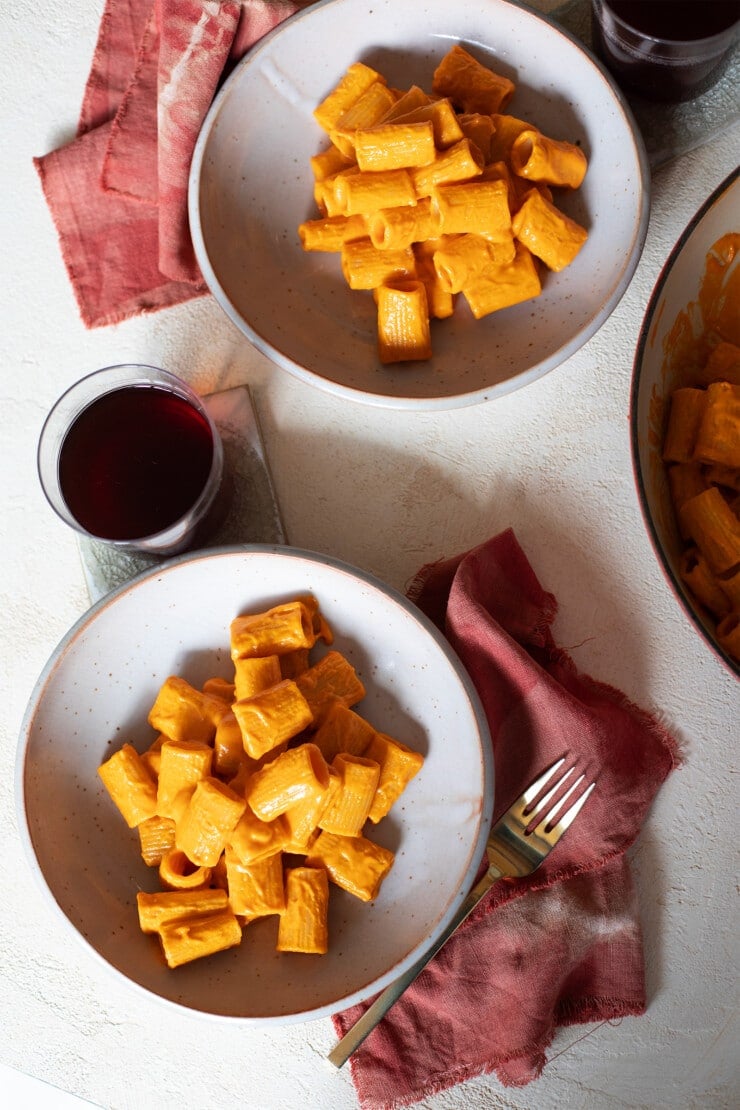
386,491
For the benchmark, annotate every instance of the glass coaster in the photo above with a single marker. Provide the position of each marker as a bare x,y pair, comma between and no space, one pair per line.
669,130
251,516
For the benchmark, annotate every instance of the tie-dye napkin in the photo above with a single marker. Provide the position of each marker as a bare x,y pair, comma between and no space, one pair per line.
564,945
118,192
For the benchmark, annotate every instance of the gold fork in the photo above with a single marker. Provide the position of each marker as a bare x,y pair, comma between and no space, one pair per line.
515,847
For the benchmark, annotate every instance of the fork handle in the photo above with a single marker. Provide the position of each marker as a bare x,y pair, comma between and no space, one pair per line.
357,1033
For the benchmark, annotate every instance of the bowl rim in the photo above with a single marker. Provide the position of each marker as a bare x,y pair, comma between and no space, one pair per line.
426,403
477,847
673,580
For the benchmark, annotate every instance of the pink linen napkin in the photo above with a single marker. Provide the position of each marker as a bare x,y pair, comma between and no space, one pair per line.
118,192
564,945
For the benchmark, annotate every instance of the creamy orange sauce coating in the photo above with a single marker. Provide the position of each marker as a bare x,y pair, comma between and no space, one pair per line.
694,422
697,328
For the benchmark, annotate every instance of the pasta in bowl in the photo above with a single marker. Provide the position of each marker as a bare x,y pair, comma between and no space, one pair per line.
179,852
268,261
685,421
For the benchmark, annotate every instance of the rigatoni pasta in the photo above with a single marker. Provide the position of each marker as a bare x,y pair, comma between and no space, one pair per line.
257,820
701,450
130,785
406,171
303,925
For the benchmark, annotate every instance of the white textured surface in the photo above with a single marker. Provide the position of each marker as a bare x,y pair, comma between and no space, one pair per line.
386,491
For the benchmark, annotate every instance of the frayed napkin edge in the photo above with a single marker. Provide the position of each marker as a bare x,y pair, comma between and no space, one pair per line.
158,298
601,1010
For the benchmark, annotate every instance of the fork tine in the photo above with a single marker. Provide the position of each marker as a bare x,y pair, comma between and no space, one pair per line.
570,815
532,791
513,852
546,812
542,805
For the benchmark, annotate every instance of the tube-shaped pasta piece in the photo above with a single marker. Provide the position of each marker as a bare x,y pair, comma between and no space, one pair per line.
728,635
321,626
328,162
295,662
403,323
303,818
716,475
548,233
256,673
203,830
366,267
342,730
460,162
695,572
152,757
255,889
156,837
183,764
183,713
348,811
293,776
365,193
540,158
271,717
176,872
503,286
353,863
462,257
479,129
718,434
517,187
331,678
330,194
273,632
685,481
157,910
130,786
218,875
192,938
730,584
396,228
252,839
721,286
353,83
329,233
219,688
303,924
440,302
446,126
412,98
366,112
228,747
684,417
395,146
506,129
714,528
238,782
723,364
398,765
473,207
469,84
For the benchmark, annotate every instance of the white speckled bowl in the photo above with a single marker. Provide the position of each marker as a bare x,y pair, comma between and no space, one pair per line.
94,695
251,186
661,365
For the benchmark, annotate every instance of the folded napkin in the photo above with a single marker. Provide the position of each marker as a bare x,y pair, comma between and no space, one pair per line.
563,945
118,192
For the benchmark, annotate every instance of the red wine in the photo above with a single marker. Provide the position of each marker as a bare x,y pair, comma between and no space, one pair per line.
134,462
677,20
668,50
